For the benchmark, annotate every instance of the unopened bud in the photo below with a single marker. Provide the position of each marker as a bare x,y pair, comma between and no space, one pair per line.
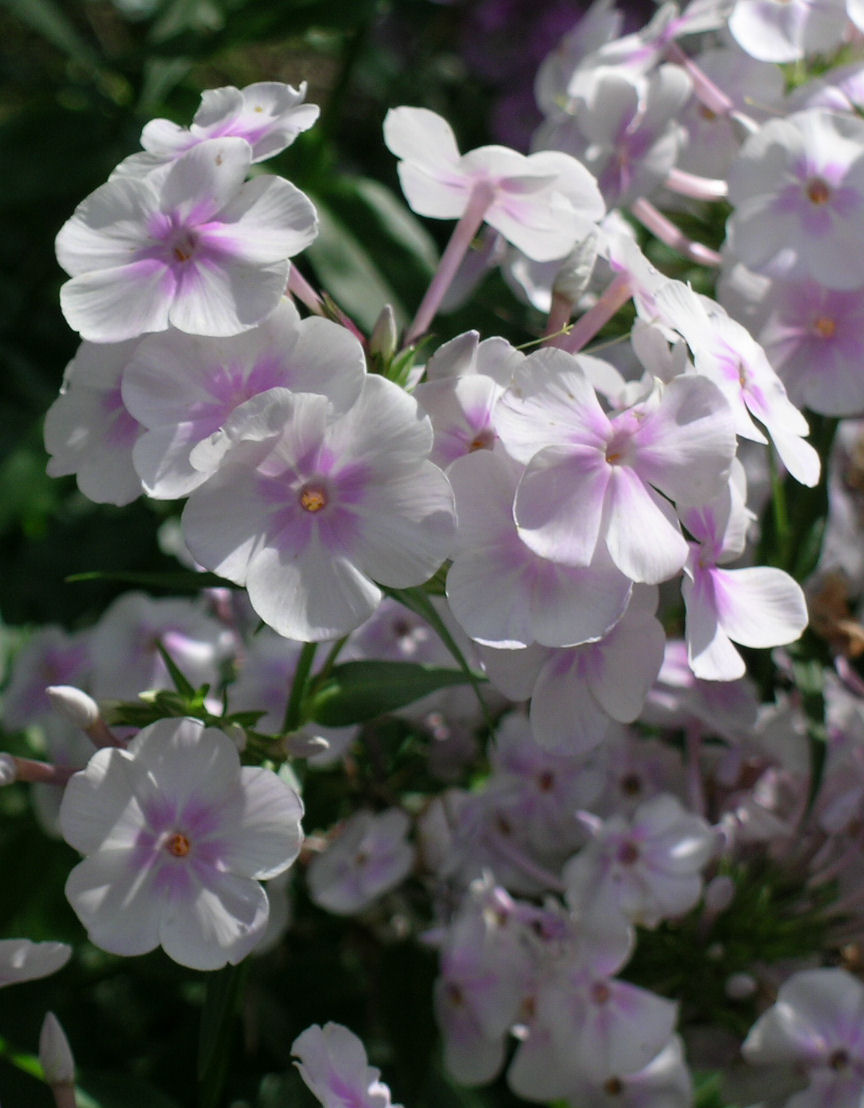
740,986
300,745
572,278
719,894
55,1053
385,335
237,735
73,705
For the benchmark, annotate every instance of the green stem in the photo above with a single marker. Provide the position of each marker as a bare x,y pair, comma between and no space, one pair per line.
224,987
293,713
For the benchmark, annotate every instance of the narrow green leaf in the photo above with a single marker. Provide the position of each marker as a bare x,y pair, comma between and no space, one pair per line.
181,682
220,1007
358,691
345,269
49,21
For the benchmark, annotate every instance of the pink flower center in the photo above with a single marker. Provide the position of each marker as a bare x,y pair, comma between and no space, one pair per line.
183,247
818,191
600,992
825,327
313,498
484,440
178,845
628,854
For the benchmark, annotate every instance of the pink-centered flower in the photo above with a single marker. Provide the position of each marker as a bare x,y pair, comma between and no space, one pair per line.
177,837
182,388
190,245
594,478
311,507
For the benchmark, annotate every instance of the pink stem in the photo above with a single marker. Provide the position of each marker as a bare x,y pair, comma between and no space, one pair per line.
667,232
713,97
700,188
559,316
456,249
64,1096
513,854
616,295
298,286
28,769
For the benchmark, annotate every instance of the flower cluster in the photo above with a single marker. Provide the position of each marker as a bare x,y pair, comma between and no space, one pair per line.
576,530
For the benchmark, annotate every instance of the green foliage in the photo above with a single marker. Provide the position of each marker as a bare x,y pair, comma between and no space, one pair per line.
358,691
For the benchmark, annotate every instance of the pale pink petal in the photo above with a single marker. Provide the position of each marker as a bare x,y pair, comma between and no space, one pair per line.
268,836
109,305
643,536
216,923
759,606
116,901
269,219
311,597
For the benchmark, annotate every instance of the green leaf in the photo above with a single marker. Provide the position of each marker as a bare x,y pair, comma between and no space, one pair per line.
345,269
358,691
49,21
224,988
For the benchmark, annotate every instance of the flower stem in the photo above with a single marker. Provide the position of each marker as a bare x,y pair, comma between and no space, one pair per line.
293,713
616,295
667,232
456,249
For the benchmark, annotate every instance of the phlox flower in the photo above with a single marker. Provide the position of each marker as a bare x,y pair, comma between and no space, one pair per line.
269,115
797,188
787,30
464,380
594,478
758,606
486,969
89,430
577,691
334,1066
310,507
182,388
126,659
665,1082
726,353
502,592
51,656
816,1025
814,338
582,1024
189,245
177,837
23,960
370,856
541,203
623,128
645,867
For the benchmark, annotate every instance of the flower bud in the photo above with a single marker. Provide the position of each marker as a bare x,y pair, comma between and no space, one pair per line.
385,336
55,1053
73,705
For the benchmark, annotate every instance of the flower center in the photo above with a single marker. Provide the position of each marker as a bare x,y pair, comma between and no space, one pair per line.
818,191
614,1086
825,327
839,1060
178,845
184,246
484,440
600,992
313,498
628,854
